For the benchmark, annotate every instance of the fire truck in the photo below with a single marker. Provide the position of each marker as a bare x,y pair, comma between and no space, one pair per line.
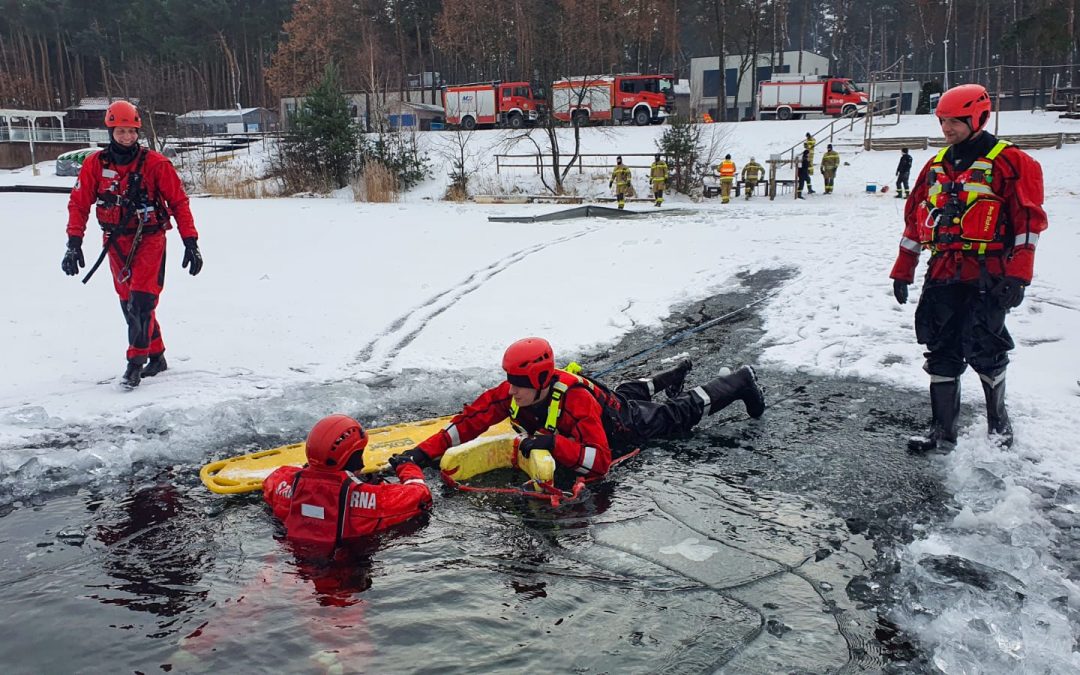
642,99
501,104
796,95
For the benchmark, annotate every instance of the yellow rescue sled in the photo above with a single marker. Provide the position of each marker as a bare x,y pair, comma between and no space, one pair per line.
245,473
494,449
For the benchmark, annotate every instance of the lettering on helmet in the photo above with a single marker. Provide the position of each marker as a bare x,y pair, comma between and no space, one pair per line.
362,500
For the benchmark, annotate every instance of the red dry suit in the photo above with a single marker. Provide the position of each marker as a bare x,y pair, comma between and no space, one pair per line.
105,183
325,508
581,441
995,221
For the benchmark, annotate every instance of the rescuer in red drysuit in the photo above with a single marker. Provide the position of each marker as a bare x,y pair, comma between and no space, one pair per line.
326,503
977,207
135,190
578,419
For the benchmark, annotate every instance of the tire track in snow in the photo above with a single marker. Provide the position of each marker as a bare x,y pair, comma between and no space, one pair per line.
381,350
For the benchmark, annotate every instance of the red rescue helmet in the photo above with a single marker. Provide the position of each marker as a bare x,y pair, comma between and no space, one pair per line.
333,441
529,362
967,102
122,114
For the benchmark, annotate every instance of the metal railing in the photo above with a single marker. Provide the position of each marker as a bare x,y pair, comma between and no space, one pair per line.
52,135
538,161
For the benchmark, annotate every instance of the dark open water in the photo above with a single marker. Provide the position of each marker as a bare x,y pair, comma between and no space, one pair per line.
750,546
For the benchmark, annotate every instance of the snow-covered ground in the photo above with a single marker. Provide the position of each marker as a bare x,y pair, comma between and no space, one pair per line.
304,303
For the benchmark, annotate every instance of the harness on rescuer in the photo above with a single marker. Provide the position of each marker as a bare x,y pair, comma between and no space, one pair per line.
134,203
530,363
962,214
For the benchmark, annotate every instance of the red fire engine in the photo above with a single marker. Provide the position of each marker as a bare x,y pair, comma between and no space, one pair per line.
504,104
788,96
643,99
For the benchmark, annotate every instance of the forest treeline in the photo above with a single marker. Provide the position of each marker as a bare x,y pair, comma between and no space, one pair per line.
179,55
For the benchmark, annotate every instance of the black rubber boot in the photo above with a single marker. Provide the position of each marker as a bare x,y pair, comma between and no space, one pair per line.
945,413
740,385
133,373
155,365
670,381
997,417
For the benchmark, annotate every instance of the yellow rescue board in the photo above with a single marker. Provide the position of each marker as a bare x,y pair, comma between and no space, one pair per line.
245,473
463,462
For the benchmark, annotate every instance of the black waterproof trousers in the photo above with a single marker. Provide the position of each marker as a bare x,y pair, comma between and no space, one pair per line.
962,325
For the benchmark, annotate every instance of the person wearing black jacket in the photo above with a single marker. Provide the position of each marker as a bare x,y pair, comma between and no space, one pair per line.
903,171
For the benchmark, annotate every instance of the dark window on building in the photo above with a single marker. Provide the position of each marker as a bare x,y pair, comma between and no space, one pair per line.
710,83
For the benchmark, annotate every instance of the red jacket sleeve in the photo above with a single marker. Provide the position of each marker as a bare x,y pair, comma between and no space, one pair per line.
167,183
390,504
83,195
582,443
490,408
1022,191
277,490
907,259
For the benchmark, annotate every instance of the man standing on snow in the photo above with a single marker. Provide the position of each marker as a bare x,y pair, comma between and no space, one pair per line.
903,170
808,146
135,190
829,164
620,178
727,171
579,420
977,207
752,174
658,174
802,174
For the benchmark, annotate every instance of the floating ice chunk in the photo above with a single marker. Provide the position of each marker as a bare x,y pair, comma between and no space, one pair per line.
690,549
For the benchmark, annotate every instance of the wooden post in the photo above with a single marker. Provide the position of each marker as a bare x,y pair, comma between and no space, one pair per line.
772,177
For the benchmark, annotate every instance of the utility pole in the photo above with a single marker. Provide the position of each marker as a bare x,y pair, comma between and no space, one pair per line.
946,83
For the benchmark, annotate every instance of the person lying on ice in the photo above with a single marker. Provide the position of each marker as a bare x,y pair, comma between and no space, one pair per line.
578,419
325,503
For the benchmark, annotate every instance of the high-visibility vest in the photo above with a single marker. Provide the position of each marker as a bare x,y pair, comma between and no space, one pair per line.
726,169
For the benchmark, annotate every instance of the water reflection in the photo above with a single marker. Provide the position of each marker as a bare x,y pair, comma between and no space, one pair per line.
153,549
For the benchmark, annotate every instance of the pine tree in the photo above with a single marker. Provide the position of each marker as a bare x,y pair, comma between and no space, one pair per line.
323,143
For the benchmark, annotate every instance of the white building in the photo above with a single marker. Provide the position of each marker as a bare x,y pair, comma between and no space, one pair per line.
884,92
705,79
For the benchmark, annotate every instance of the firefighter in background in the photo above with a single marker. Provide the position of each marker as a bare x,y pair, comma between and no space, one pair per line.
620,178
658,175
903,170
727,172
135,190
579,420
808,146
977,207
752,174
326,503
829,163
802,174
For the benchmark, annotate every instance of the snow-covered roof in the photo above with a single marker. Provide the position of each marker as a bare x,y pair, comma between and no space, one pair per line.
427,107
226,112
98,103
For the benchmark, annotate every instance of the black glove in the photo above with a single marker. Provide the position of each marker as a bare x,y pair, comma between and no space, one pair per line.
1009,292
541,442
416,456
610,183
192,255
899,291
73,258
